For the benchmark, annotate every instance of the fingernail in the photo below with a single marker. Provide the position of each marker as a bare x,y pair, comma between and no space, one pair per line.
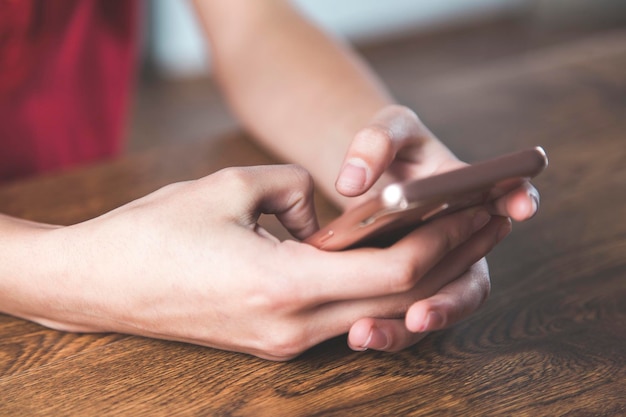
353,175
434,321
534,207
481,218
376,340
504,231
358,348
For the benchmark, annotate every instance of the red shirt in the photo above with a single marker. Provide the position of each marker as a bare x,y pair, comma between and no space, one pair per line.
65,72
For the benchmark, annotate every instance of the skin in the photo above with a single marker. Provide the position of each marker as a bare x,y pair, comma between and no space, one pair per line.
190,263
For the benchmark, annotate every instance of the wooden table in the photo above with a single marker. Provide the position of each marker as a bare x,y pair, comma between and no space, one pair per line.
550,341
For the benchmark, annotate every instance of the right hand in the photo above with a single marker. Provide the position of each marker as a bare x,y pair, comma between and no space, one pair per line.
396,146
190,263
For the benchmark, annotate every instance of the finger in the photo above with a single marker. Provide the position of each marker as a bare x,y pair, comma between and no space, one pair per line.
283,190
392,334
375,146
371,272
289,195
452,303
520,204
389,335
463,258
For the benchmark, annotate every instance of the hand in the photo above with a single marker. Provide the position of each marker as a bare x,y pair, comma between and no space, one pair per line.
397,146
190,263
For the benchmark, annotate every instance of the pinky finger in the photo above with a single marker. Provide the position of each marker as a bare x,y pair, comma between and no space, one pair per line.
452,303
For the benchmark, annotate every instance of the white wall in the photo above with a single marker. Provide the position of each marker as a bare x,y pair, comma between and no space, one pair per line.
177,45
180,51
370,19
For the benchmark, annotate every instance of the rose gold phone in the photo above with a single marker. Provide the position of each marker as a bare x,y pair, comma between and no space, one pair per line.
401,207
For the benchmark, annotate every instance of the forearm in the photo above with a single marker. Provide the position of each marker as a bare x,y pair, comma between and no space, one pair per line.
299,92
24,259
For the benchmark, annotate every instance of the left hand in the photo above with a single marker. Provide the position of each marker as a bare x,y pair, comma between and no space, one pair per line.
396,146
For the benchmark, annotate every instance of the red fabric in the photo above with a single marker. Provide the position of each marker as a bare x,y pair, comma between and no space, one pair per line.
65,73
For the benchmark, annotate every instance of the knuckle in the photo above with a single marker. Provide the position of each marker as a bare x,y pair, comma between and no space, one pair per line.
301,175
234,178
460,228
273,299
303,180
283,336
374,139
281,295
405,112
404,276
452,238
284,342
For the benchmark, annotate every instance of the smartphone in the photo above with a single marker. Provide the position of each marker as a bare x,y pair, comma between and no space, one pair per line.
401,207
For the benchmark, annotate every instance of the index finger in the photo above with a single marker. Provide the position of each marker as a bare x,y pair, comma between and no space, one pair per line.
375,146
373,272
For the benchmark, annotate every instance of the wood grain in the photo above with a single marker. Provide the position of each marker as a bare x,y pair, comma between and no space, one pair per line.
550,340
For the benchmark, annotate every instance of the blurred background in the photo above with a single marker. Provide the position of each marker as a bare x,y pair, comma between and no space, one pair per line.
421,49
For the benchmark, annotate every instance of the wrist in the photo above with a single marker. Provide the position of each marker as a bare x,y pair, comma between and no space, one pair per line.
32,269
